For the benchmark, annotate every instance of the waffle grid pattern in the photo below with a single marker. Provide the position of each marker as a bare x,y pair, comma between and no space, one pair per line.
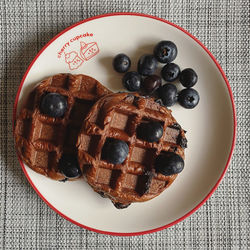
136,176
44,139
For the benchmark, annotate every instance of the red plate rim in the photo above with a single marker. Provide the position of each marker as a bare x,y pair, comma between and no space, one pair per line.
231,150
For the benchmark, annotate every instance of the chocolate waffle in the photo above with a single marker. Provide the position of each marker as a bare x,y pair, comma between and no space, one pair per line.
41,140
117,116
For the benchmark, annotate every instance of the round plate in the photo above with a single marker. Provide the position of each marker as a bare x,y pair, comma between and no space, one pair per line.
88,48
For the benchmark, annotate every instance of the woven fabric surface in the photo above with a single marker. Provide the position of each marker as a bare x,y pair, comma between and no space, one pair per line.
26,222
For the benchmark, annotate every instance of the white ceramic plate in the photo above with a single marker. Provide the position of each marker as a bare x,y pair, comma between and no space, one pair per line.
88,47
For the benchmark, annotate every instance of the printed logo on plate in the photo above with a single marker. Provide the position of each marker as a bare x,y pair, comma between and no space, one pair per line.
78,50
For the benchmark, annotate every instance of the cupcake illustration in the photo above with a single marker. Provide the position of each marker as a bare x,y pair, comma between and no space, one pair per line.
73,60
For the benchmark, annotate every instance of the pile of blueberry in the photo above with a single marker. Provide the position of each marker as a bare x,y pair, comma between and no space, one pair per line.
145,79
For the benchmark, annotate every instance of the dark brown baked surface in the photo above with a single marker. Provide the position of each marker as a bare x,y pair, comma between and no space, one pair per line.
41,140
117,116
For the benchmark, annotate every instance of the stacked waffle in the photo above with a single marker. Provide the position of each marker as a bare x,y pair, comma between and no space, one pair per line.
129,148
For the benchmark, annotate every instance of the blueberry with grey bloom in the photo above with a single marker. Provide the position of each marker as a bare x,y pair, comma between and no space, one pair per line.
168,94
121,63
170,72
53,105
188,78
132,81
168,163
165,51
150,131
115,151
68,165
147,65
188,98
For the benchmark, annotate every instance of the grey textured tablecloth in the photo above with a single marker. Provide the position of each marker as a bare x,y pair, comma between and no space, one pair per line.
26,222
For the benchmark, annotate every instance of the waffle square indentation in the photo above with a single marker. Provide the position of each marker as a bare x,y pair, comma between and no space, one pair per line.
171,135
46,132
119,121
142,155
80,109
103,176
60,81
24,128
89,143
41,159
81,85
130,181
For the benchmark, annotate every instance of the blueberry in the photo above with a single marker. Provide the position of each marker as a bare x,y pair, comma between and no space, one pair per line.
170,72
115,151
188,98
132,81
151,131
121,63
168,163
119,205
151,83
168,94
147,65
165,51
69,166
54,105
188,78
